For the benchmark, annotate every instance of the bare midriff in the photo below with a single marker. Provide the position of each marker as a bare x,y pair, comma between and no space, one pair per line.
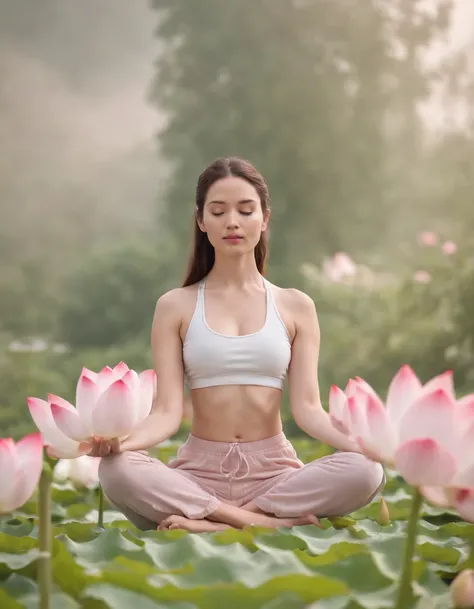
236,413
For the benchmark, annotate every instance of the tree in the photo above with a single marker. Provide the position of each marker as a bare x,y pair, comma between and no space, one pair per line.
305,90
110,299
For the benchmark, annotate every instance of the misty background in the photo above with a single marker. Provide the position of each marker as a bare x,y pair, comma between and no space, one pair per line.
358,113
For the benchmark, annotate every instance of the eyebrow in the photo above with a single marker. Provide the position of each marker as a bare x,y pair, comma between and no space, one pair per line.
224,202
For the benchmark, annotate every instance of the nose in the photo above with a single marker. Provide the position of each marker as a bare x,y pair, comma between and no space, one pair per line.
232,219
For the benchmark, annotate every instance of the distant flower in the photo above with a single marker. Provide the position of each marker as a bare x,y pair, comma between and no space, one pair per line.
422,277
83,472
109,404
339,267
20,466
428,238
449,248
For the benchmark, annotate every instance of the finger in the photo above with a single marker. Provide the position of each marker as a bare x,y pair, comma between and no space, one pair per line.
173,527
115,445
104,448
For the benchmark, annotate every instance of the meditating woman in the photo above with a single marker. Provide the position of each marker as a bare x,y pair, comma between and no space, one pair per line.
235,338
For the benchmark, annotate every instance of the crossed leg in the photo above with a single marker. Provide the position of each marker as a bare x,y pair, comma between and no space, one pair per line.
151,495
335,485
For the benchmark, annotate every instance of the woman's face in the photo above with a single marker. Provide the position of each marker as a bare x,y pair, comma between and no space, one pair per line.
232,216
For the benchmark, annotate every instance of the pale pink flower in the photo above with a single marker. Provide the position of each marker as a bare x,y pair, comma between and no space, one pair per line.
20,466
428,238
109,404
449,248
339,267
83,472
422,431
422,277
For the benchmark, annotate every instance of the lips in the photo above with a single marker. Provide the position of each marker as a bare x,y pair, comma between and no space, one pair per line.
233,238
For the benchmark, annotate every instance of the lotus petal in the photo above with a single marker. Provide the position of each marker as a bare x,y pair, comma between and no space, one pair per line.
66,452
431,415
437,495
70,423
116,412
357,407
364,385
466,400
465,454
29,453
442,381
120,370
464,504
146,393
58,445
87,394
424,462
133,381
381,437
105,378
55,399
89,373
403,389
8,468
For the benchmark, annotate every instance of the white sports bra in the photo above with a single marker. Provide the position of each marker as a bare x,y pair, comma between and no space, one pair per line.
212,359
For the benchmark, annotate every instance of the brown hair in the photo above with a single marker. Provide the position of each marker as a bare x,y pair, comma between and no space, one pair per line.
202,257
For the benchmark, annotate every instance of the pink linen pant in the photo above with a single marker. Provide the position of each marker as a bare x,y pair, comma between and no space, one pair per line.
267,472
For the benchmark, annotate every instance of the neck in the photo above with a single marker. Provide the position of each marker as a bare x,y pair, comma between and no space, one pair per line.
236,271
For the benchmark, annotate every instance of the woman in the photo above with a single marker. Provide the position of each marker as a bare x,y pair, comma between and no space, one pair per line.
234,337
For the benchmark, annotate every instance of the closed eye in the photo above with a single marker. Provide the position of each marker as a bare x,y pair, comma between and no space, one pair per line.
244,213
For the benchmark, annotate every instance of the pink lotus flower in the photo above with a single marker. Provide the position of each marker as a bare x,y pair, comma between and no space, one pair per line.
109,404
449,248
422,431
428,238
83,472
422,277
20,466
339,267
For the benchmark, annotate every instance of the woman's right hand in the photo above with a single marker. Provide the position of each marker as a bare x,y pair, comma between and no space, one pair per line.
103,448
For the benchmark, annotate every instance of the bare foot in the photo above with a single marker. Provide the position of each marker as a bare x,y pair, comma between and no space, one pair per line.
272,522
193,526
206,526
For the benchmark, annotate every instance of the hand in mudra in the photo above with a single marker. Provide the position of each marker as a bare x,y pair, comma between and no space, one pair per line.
103,448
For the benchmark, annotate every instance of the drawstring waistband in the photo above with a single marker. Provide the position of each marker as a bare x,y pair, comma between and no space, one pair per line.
242,459
223,452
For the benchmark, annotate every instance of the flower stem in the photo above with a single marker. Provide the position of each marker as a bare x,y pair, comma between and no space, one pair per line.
45,537
100,522
405,590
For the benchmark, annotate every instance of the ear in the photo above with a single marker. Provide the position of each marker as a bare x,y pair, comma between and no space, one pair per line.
199,221
266,220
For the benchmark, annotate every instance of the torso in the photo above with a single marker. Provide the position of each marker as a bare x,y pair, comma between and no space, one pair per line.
230,413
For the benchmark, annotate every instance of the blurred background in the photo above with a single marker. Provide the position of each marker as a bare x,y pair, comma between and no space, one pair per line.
359,113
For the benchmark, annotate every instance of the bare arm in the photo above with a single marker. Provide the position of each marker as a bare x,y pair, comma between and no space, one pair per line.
167,410
305,398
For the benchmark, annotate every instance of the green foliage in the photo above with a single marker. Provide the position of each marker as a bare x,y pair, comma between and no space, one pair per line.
111,297
372,328
352,563
306,91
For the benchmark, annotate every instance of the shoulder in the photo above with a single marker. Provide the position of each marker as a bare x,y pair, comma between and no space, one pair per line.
295,301
174,303
297,310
